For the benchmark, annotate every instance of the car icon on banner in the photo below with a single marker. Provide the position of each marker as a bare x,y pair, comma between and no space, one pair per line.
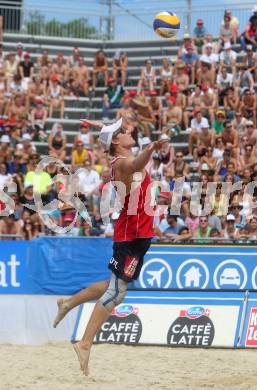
230,276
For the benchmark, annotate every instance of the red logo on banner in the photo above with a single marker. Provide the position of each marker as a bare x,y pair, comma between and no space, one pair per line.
251,334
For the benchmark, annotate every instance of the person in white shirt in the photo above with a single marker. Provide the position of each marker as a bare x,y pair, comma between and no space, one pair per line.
89,179
20,53
228,57
196,127
209,56
224,80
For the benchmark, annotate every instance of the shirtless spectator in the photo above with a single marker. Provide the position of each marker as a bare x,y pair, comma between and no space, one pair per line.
190,59
208,103
145,116
9,226
55,96
81,77
197,123
60,69
74,58
179,168
119,67
127,112
230,138
26,69
248,159
18,110
100,67
3,88
248,106
209,159
182,79
172,117
38,115
228,57
45,64
37,88
231,102
194,99
205,74
205,138
156,105
147,78
166,76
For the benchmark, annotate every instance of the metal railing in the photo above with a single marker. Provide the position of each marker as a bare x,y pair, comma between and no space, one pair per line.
97,20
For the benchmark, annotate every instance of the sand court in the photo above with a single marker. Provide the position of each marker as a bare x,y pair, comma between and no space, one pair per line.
119,367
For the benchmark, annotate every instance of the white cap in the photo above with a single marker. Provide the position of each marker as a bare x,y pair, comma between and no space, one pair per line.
205,124
106,133
164,137
209,44
227,45
249,123
5,139
27,185
144,141
230,217
19,44
254,9
19,147
249,47
26,137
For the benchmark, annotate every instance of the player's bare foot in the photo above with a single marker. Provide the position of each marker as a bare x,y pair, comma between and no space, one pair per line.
63,309
83,356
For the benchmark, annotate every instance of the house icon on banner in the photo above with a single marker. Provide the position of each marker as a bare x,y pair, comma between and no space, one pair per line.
192,277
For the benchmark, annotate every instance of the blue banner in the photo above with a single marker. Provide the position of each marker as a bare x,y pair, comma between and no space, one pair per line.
63,266
13,255
200,267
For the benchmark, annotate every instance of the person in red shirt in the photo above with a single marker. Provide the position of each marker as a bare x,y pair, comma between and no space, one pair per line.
132,233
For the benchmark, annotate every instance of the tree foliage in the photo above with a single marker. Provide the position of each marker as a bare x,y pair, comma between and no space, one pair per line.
36,24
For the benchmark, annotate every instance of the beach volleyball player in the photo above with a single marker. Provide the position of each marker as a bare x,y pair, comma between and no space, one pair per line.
132,234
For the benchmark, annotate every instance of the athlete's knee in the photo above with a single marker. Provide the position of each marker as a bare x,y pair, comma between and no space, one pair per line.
115,293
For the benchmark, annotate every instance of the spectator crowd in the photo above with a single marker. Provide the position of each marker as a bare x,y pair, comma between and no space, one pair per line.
206,96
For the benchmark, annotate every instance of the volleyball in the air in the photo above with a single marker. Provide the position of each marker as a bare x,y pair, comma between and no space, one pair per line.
166,24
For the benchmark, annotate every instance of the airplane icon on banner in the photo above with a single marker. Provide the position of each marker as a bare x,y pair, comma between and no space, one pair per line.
156,277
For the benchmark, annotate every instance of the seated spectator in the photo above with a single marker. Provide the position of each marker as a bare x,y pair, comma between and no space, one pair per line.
248,159
250,61
199,34
253,228
187,40
26,69
17,86
41,182
119,67
183,235
209,56
205,73
55,96
218,123
38,115
80,76
156,168
224,81
250,133
145,116
192,222
182,79
243,79
179,167
248,105
85,136
226,31
20,53
218,149
230,137
205,138
59,69
17,110
167,151
100,68
234,24
112,97
127,112
222,166
57,142
147,78
79,155
11,68
172,116
231,102
31,229
166,76
36,90
74,58
239,123
16,165
208,103
228,57
209,40
10,227
230,232
209,159
156,105
89,179
197,123
190,59
203,230
173,228
249,36
45,64
194,98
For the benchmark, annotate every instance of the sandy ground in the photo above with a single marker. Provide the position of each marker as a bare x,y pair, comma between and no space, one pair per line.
55,367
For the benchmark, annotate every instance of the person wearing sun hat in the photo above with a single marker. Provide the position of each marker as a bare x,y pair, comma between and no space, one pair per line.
132,233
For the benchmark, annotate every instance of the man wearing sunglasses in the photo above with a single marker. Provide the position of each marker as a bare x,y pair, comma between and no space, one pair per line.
132,233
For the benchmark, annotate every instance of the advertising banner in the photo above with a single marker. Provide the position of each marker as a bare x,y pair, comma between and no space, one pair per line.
13,267
198,319
199,267
249,338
